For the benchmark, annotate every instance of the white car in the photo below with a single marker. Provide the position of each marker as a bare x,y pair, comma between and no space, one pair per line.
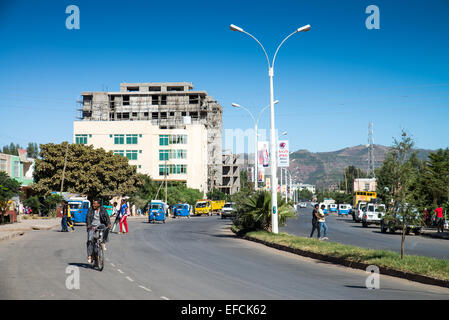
303,205
373,214
357,212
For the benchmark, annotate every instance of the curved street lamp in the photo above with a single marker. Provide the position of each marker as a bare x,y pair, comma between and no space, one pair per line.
256,124
274,184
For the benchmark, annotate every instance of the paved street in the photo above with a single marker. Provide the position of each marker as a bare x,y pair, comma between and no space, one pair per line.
196,258
345,230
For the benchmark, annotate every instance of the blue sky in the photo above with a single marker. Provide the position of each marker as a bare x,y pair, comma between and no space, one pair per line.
331,82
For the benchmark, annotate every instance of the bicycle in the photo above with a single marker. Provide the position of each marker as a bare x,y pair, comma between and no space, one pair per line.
98,253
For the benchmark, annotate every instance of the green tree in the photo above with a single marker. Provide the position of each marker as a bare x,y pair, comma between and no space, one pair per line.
93,172
398,177
12,149
254,212
33,150
216,194
8,189
436,176
33,203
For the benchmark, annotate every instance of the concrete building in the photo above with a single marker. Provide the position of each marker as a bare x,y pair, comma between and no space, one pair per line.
231,173
166,129
18,167
365,184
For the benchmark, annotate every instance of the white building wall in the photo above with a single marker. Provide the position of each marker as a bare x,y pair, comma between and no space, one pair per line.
100,134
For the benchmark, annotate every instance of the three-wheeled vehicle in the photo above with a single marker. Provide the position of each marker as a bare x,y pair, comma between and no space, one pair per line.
157,211
78,209
333,207
181,210
343,209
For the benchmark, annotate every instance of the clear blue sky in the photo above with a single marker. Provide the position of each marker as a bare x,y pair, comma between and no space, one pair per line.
330,81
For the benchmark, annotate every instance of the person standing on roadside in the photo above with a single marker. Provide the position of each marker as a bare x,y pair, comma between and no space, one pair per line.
123,216
315,225
322,222
439,217
64,216
116,212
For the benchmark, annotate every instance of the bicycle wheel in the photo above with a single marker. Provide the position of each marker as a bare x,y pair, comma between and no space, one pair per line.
100,258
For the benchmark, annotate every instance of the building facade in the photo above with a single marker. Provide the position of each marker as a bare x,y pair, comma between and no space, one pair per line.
167,130
18,167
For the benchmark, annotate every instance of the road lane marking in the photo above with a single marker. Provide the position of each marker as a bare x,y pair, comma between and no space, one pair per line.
120,271
165,298
112,264
129,279
146,289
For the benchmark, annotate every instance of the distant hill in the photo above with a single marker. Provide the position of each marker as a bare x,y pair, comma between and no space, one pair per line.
326,169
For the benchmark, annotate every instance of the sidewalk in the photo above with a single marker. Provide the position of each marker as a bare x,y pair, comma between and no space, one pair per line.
12,230
434,234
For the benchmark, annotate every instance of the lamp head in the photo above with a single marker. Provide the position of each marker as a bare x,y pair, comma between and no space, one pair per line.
236,105
235,28
304,28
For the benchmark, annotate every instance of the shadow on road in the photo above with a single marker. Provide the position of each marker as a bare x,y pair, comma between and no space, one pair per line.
80,265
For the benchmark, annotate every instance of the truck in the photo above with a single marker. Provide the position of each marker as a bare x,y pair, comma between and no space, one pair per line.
209,207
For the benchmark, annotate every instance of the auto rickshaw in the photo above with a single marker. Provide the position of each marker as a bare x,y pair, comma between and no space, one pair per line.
157,211
181,210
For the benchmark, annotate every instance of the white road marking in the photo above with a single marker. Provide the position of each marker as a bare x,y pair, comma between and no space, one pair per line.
165,298
119,270
112,264
146,289
129,279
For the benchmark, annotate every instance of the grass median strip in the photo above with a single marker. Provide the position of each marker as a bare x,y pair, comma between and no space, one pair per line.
420,265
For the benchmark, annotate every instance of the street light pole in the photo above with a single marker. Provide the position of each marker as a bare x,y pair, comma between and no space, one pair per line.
274,184
256,141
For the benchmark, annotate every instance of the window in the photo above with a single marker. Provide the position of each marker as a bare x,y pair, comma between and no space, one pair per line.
163,155
131,139
126,100
163,140
119,139
131,154
163,170
16,169
163,100
183,168
2,164
81,138
119,152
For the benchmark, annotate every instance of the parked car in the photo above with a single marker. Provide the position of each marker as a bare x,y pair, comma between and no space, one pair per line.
373,214
357,212
391,223
228,210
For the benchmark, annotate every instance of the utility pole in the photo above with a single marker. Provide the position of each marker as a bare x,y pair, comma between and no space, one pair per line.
63,170
371,173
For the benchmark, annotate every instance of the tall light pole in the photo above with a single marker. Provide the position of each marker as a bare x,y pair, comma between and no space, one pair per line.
256,124
274,184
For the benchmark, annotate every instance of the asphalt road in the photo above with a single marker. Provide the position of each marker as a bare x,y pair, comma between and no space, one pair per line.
345,230
196,258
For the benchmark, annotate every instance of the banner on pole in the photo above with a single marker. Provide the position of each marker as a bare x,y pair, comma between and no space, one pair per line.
263,155
283,154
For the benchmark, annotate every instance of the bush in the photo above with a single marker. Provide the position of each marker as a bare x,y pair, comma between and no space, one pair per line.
254,212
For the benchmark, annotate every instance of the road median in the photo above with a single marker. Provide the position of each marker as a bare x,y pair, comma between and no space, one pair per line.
415,268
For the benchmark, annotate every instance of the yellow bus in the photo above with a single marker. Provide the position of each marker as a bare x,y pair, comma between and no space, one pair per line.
365,196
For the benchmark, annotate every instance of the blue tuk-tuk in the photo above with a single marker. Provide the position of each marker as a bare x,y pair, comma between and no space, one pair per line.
78,209
343,209
156,211
333,207
181,210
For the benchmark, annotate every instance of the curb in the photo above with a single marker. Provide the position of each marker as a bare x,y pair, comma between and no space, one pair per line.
434,236
10,235
351,264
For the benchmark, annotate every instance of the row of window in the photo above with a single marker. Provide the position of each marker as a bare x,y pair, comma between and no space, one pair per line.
81,138
130,154
172,169
172,154
130,138
167,139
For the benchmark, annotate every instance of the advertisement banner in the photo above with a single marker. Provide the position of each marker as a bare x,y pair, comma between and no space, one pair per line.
267,184
283,154
263,155
261,175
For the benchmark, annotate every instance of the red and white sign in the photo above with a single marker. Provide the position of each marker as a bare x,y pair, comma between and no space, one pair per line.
283,154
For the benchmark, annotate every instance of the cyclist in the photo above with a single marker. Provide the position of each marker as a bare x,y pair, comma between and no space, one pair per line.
96,216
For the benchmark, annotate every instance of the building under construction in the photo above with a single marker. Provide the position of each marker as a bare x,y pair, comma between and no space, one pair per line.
163,127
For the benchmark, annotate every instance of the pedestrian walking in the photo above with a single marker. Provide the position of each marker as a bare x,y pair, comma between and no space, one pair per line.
69,218
124,212
64,216
315,225
322,222
439,216
116,212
